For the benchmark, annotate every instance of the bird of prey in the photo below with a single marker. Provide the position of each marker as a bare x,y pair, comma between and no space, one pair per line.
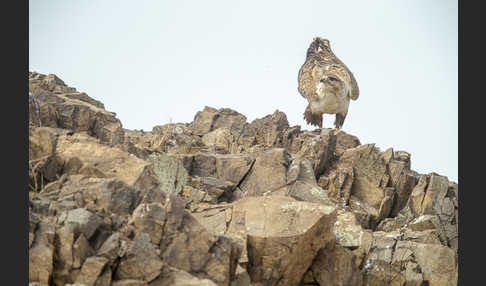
326,83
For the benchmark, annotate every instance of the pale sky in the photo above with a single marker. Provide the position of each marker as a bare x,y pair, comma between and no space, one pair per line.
155,62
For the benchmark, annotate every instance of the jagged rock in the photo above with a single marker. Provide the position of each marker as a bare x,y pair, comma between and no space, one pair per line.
175,277
211,119
129,282
267,131
220,201
188,246
347,230
55,105
91,271
394,258
429,236
113,162
169,171
105,278
241,277
433,204
64,240
220,139
37,284
150,219
83,221
213,189
281,247
275,226
44,165
41,254
316,147
305,187
345,141
336,265
268,174
141,261
438,263
401,178
113,247
108,195
81,250
42,142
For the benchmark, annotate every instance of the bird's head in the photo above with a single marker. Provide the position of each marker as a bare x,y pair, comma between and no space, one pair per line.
320,44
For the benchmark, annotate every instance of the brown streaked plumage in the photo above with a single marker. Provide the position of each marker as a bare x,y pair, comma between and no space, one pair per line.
326,83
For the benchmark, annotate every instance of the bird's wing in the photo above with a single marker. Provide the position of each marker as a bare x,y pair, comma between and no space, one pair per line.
354,85
308,74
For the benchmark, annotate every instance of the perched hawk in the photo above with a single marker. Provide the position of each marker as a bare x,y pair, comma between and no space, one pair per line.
326,83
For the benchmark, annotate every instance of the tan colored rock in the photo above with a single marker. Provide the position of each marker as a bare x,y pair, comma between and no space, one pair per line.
381,273
109,195
268,174
150,219
336,265
233,167
105,278
175,277
91,270
347,230
141,261
344,141
282,247
220,139
83,221
41,254
434,195
429,236
403,180
276,225
241,277
175,138
42,142
268,131
81,250
438,263
338,183
211,119
318,148
64,254
188,246
305,187
129,282
62,107
113,247
113,162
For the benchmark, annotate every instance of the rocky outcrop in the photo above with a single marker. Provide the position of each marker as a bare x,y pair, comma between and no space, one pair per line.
223,201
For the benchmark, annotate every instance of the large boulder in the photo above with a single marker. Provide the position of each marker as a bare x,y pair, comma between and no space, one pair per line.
112,162
41,254
188,246
53,104
281,235
268,174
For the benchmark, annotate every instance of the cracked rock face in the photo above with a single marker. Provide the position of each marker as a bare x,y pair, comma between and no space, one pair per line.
223,201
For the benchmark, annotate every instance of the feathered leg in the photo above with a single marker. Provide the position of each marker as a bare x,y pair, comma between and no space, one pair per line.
311,118
338,123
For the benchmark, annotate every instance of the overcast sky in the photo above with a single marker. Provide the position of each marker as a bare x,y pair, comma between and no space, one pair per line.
155,62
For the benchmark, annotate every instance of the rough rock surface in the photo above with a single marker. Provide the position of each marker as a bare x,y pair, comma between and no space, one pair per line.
223,201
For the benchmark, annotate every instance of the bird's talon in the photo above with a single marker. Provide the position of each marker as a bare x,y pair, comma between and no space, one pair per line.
336,130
